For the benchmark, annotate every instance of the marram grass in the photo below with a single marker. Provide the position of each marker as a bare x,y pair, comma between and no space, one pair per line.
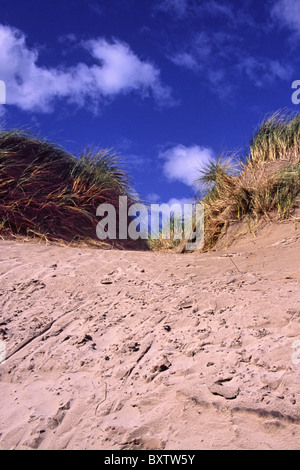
265,184
47,193
278,138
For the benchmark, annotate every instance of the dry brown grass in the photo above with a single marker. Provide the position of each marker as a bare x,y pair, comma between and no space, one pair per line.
266,185
48,194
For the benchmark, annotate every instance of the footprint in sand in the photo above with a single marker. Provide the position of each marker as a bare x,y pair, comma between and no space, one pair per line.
112,276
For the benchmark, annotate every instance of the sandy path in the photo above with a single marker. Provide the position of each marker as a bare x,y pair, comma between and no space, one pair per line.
122,350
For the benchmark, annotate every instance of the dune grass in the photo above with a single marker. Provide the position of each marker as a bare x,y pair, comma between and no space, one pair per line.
161,242
49,194
266,185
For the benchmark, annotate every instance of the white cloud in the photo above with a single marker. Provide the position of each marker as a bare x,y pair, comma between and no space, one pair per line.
185,59
263,72
218,57
196,53
210,56
287,12
121,70
116,70
278,70
138,162
152,198
184,163
182,8
179,7
217,8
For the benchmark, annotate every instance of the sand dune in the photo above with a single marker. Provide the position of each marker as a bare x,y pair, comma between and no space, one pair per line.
132,350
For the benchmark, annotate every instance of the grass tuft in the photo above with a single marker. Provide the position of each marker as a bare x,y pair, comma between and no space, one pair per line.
49,194
266,185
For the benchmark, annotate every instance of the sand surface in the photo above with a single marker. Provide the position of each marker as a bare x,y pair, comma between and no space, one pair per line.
130,350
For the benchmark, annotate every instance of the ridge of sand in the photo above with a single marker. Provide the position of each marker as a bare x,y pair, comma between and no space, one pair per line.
132,350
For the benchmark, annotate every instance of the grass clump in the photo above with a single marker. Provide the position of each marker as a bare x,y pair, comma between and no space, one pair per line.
49,194
278,138
166,238
266,184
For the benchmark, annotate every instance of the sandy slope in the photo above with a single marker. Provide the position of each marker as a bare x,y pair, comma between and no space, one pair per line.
122,350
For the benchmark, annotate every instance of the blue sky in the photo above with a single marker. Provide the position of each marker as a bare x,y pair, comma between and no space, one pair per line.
166,83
